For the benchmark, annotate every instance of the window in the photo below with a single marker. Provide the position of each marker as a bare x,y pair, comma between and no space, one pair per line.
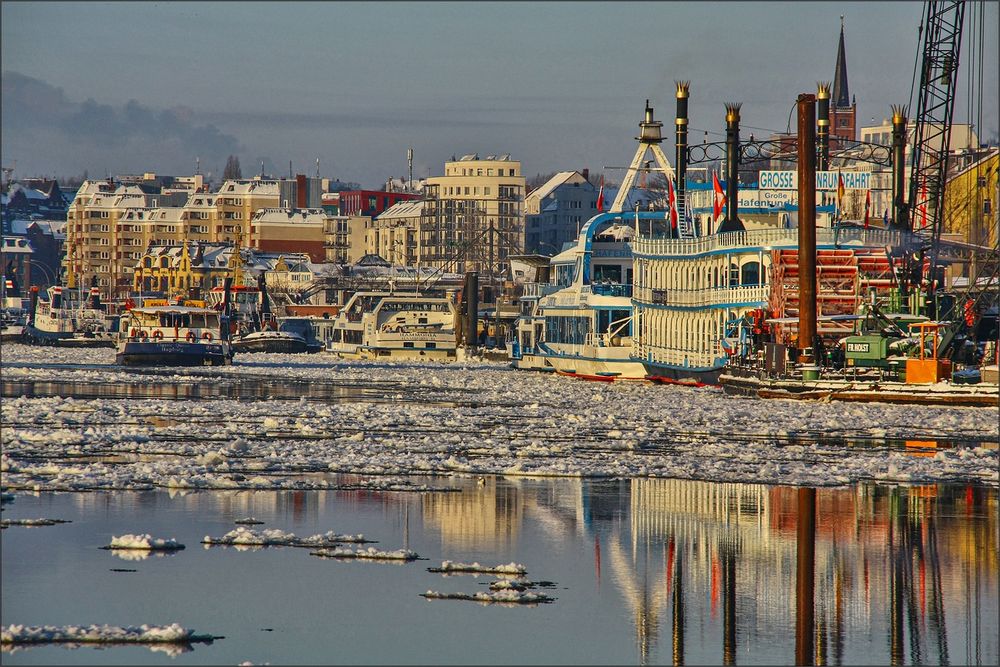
466,189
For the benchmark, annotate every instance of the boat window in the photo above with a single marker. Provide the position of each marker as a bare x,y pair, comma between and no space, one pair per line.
608,273
430,346
408,343
750,274
734,275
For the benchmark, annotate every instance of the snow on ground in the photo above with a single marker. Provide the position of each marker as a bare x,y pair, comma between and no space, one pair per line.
276,537
383,422
144,542
100,634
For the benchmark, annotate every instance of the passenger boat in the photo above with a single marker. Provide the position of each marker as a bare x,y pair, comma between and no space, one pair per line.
581,323
183,334
689,292
406,325
71,318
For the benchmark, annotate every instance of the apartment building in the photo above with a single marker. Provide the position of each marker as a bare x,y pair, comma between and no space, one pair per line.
99,243
289,230
345,237
236,203
556,211
474,214
399,235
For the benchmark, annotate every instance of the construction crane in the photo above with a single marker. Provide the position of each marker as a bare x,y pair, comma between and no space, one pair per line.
935,105
929,160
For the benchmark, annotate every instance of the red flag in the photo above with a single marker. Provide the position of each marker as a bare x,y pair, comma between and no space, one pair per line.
600,196
840,193
923,205
868,205
129,303
719,198
672,202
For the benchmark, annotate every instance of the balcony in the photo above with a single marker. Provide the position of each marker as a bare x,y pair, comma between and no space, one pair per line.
611,289
760,238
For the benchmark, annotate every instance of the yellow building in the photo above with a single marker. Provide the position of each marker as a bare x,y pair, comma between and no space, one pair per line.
474,214
346,238
236,202
970,206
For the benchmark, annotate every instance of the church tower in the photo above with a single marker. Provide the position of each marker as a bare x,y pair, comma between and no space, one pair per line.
843,108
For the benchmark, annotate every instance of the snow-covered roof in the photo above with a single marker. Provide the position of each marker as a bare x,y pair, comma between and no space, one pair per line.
262,187
290,215
412,208
550,185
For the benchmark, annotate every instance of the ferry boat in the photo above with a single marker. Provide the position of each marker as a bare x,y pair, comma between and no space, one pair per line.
69,317
183,334
581,324
406,325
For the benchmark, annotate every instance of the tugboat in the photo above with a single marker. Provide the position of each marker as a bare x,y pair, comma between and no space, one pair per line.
69,318
260,331
182,334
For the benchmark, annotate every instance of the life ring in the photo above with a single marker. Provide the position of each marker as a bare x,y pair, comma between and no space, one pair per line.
191,336
157,335
142,334
207,336
133,333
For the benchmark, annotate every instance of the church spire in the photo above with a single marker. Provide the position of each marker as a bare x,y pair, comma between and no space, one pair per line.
841,94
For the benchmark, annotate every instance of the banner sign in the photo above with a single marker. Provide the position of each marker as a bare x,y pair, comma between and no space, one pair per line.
766,198
825,180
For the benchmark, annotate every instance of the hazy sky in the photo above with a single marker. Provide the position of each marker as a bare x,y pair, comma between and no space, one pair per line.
123,87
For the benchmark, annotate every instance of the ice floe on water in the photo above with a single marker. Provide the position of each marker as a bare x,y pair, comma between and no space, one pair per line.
31,523
371,553
275,537
462,420
248,521
451,567
144,542
101,634
504,596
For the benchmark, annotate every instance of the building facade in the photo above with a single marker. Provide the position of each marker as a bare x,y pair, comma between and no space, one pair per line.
555,212
474,214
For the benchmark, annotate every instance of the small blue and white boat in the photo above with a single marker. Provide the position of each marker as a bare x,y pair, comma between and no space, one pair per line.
174,335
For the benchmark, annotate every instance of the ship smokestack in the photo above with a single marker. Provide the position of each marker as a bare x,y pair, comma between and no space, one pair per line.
681,127
732,222
823,124
900,212
56,297
32,304
471,292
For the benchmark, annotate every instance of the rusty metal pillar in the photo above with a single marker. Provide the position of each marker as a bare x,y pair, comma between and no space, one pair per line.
471,292
807,226
823,125
805,577
680,143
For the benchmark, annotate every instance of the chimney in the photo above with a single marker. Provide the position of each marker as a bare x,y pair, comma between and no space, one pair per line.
586,175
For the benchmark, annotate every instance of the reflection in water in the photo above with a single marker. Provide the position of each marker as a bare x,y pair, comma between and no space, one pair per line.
702,573
171,650
488,515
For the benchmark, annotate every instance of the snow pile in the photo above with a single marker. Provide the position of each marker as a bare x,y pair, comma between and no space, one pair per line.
367,554
276,537
452,567
145,542
100,634
507,597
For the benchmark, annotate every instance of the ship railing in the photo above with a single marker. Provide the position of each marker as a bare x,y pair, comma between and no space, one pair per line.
607,339
762,238
611,289
711,296
676,356
538,290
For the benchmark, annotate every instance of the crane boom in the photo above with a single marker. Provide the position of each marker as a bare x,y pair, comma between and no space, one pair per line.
935,110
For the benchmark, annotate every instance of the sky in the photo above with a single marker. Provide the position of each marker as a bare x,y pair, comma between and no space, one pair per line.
125,87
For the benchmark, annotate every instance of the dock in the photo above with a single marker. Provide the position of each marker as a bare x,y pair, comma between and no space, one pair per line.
983,394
